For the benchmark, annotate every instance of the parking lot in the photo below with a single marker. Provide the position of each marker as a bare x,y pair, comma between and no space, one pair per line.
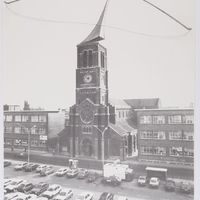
129,189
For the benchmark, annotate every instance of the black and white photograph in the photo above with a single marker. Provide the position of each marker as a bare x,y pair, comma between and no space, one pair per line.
99,99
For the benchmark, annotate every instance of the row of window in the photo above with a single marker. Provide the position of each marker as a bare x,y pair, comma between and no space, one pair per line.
173,135
122,114
24,130
161,119
22,142
161,151
25,118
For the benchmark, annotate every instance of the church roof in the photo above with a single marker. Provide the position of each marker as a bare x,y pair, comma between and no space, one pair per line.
150,103
119,103
96,34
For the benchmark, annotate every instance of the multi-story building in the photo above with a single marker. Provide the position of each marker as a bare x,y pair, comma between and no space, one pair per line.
33,127
166,134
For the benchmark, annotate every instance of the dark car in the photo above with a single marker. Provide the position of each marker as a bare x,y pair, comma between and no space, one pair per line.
106,196
186,187
7,163
30,167
83,173
39,188
112,180
25,187
170,185
92,177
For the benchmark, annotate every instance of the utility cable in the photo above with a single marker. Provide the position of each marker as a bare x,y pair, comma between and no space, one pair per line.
85,23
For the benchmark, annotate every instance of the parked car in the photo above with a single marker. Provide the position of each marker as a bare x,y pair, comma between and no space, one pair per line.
92,177
154,182
112,180
31,196
142,180
121,198
61,171
7,182
14,185
186,187
25,187
85,196
170,185
106,196
39,188
10,196
72,173
7,163
20,166
83,173
52,191
30,167
41,198
64,195
47,171
40,168
20,196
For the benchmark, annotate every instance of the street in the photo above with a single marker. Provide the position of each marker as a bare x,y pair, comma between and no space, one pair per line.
128,189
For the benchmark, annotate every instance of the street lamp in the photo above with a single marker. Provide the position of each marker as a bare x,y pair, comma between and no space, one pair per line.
102,143
29,138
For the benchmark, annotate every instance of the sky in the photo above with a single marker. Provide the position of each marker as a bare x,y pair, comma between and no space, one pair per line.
40,58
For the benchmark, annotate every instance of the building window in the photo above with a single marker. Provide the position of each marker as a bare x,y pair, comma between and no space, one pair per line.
119,114
188,152
146,150
176,151
176,135
87,129
188,119
90,58
25,118
18,118
175,119
34,143
189,136
17,130
7,129
41,131
8,118
102,60
42,118
34,118
85,59
158,119
159,135
34,130
146,119
25,130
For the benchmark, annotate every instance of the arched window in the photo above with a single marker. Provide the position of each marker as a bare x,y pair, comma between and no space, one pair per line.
90,58
102,60
85,59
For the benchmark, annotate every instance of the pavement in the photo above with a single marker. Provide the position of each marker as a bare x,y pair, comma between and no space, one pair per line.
128,189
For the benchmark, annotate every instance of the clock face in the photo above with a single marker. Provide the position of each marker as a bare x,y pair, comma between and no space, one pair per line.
87,78
87,114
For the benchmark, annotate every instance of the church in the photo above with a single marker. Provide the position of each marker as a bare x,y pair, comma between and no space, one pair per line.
93,130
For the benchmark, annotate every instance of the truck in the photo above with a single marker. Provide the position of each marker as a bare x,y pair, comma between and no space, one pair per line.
121,171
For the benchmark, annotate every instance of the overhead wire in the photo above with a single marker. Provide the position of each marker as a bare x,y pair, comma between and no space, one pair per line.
105,26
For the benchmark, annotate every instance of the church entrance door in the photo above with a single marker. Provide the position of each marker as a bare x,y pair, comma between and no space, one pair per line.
87,148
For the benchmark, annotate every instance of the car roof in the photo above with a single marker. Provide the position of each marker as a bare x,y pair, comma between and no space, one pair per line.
53,185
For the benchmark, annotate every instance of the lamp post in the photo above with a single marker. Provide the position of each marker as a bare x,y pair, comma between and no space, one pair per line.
102,143
29,138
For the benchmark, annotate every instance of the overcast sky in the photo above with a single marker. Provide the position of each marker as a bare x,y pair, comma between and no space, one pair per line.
40,57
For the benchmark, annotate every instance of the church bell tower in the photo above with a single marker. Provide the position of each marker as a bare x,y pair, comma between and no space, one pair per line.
89,117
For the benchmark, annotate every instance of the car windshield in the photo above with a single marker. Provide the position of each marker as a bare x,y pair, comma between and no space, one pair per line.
142,178
153,180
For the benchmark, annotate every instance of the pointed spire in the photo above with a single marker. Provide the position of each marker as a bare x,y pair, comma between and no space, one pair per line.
96,34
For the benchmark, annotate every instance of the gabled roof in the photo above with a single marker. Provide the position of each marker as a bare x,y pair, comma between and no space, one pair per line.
96,34
151,103
119,103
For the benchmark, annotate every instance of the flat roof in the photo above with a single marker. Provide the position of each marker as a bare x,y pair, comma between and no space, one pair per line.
156,169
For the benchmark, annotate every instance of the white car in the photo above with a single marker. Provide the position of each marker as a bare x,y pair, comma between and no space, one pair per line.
61,171
52,191
154,182
41,198
10,196
40,168
20,196
142,180
85,196
31,197
14,185
20,166
64,195
7,182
